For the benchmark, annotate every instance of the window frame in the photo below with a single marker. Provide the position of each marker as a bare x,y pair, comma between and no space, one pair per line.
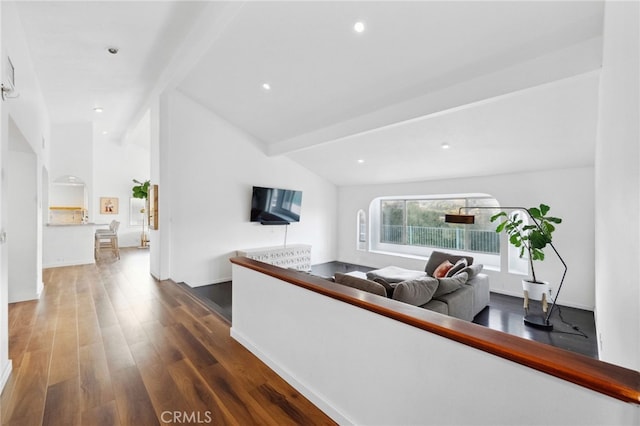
491,260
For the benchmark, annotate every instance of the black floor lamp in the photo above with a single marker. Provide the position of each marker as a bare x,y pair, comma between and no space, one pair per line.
468,219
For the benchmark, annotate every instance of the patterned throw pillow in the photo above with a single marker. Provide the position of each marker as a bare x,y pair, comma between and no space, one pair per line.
459,266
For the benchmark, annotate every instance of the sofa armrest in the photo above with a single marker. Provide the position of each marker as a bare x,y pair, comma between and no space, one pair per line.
481,292
460,303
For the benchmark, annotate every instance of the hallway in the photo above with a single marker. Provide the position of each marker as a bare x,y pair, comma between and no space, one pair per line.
107,344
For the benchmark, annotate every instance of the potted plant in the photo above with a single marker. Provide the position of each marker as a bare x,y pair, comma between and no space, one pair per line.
531,239
141,190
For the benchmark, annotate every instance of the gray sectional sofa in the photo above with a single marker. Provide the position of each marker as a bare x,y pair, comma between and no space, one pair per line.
462,292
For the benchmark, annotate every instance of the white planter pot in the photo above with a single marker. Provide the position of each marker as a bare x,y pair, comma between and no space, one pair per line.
536,291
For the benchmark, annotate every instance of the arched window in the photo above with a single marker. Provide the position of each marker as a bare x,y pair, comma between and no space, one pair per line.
415,226
362,230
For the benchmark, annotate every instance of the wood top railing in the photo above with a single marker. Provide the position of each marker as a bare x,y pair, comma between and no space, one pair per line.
612,380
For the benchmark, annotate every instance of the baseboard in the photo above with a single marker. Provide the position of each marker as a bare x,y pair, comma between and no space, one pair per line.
308,393
215,281
68,263
6,373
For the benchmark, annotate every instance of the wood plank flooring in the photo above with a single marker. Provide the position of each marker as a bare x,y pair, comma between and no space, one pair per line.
107,344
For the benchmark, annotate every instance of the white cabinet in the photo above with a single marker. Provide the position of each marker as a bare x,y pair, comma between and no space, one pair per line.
293,256
66,245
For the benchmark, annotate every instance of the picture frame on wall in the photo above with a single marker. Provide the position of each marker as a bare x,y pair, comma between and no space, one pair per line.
109,205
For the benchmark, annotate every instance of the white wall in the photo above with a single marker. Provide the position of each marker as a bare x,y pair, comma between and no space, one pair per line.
107,167
24,220
29,114
569,193
617,185
160,239
72,154
115,166
207,183
366,369
28,111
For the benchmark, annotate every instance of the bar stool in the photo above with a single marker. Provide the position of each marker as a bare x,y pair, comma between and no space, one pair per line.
107,238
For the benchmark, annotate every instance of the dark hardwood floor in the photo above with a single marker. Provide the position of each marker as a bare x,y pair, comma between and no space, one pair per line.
216,297
573,329
107,344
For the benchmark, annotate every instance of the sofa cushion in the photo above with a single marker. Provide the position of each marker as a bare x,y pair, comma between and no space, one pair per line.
449,285
436,306
394,274
360,284
472,270
416,292
437,257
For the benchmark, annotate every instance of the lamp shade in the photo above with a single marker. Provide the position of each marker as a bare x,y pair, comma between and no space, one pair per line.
465,219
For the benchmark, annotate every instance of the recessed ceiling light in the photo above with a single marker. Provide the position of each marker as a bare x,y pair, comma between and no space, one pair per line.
104,132
358,27
445,145
360,161
113,50
98,109
266,86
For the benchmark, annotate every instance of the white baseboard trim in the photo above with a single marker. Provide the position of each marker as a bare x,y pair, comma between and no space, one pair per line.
68,263
215,281
308,393
4,378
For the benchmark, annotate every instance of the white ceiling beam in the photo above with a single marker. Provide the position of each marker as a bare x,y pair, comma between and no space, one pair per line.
213,21
573,60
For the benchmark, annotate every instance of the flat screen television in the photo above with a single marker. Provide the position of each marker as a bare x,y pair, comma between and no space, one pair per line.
271,206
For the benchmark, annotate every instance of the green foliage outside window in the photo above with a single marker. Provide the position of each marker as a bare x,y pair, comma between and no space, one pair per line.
420,222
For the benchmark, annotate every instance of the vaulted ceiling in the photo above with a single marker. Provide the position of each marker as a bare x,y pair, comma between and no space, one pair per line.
494,81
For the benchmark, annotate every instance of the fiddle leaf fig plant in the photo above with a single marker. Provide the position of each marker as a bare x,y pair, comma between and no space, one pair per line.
531,238
141,190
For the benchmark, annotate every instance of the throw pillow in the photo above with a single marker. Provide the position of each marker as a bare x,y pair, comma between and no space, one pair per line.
416,292
360,284
384,284
472,270
449,285
442,269
460,265
437,257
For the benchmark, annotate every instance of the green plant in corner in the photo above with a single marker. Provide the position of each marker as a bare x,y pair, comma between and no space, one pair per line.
141,190
530,239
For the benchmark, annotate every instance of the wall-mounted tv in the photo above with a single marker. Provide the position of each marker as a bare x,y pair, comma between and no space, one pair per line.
274,206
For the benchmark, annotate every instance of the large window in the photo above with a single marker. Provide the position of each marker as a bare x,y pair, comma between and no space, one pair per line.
409,225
